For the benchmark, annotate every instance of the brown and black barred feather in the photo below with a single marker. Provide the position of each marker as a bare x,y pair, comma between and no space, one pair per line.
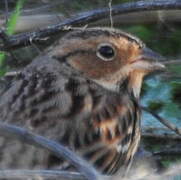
54,97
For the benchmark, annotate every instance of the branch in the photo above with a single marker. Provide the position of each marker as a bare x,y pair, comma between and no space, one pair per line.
161,136
57,149
172,62
169,76
168,152
50,174
26,39
165,122
4,37
26,23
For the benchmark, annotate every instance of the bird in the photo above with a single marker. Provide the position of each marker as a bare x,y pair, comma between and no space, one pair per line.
84,93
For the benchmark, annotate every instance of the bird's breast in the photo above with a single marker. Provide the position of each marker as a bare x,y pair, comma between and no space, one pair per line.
118,124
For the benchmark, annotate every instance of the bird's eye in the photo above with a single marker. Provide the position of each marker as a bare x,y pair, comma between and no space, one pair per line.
106,52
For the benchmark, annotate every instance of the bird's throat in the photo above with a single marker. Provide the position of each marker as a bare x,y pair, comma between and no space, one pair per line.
135,82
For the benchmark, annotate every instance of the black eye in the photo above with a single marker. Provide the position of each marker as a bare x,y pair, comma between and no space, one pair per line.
106,52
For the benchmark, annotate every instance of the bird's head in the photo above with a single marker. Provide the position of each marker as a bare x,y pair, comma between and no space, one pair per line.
109,57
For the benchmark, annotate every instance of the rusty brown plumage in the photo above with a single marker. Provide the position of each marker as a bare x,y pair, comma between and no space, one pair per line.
83,93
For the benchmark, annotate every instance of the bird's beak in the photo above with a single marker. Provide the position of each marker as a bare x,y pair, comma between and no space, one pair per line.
149,61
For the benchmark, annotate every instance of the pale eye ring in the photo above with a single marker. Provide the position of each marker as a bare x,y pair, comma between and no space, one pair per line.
105,52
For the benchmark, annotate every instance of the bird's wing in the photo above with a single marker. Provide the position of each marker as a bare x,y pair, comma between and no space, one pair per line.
37,100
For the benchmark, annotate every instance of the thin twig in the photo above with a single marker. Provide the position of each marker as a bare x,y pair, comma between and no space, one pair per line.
57,149
161,136
27,23
12,74
88,17
172,62
170,76
110,13
160,133
4,37
50,174
165,122
6,10
168,152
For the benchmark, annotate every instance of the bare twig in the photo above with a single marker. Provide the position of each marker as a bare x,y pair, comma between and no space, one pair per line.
50,174
88,17
169,76
6,10
161,136
165,122
4,37
168,152
12,74
110,13
172,62
57,149
31,22
160,133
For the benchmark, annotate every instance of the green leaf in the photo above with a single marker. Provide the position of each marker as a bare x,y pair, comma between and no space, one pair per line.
14,17
11,25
